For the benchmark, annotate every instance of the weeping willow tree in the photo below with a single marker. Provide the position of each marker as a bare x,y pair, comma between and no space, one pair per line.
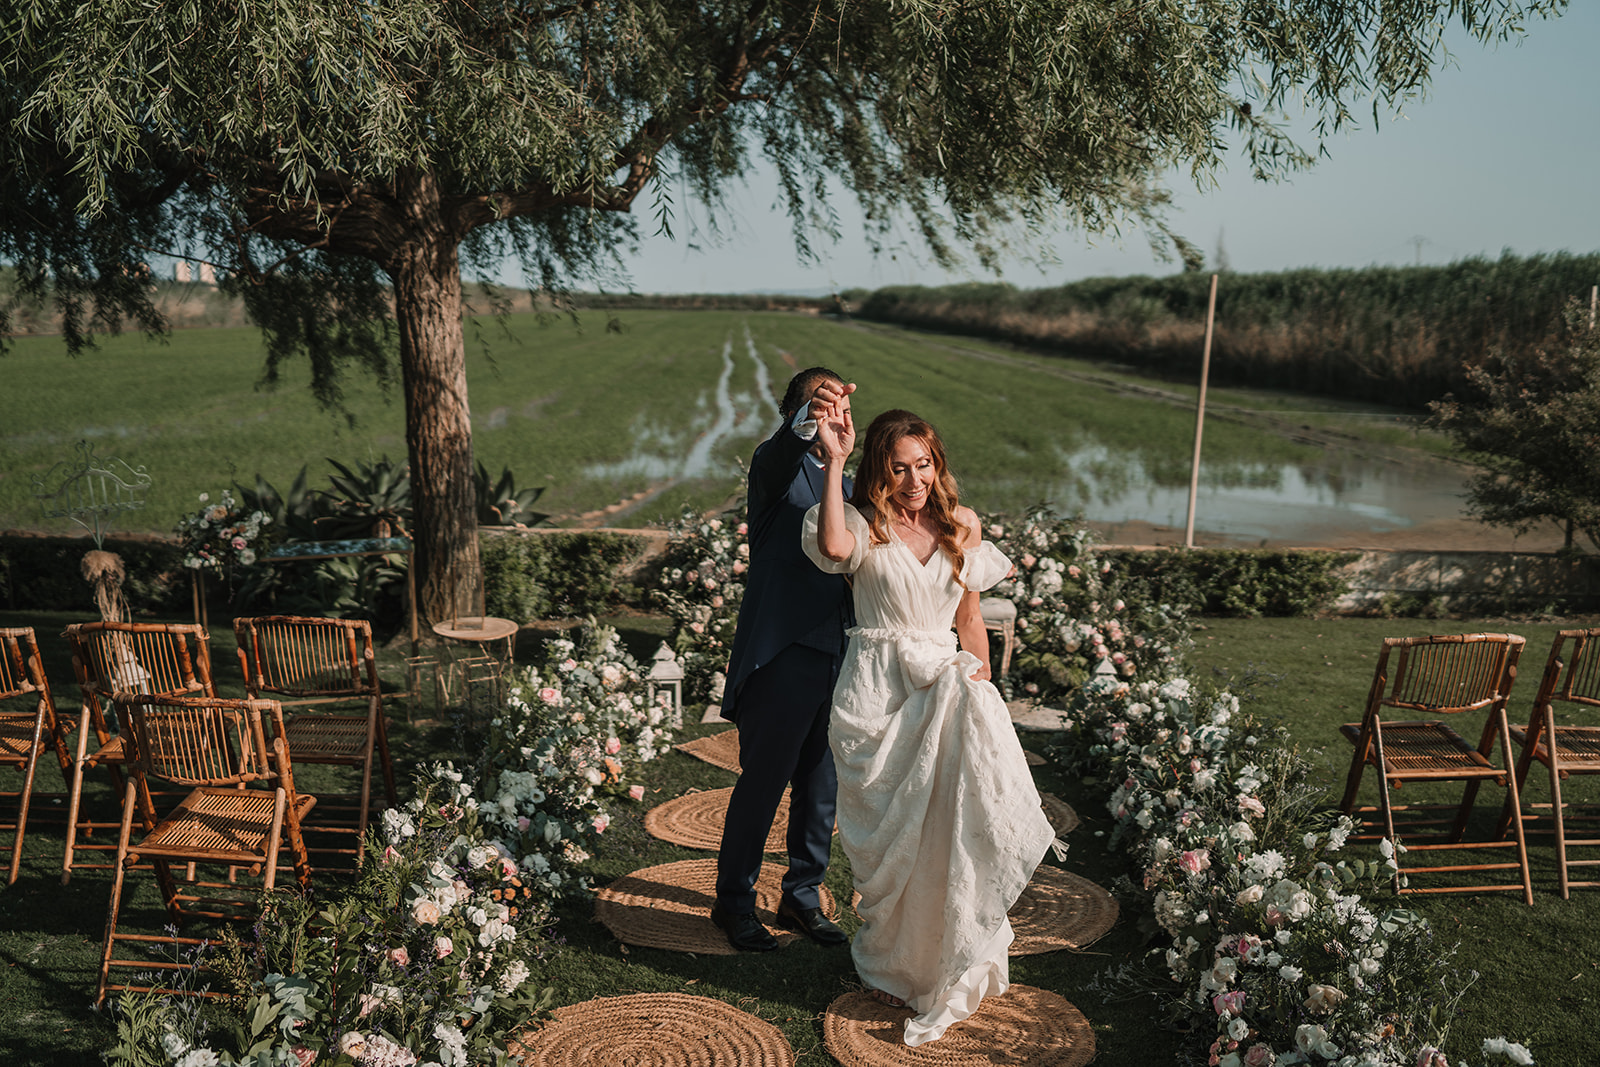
341,163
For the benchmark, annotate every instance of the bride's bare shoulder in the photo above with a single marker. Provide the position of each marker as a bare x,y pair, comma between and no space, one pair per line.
971,529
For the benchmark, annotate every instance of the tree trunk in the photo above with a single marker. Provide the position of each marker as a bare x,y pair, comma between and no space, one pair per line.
426,272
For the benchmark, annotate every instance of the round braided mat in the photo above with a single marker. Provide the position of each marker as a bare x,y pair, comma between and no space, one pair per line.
1058,811
653,1030
1026,1026
1057,910
720,749
670,907
695,820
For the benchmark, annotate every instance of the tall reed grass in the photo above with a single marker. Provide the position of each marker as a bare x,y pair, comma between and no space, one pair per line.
1400,335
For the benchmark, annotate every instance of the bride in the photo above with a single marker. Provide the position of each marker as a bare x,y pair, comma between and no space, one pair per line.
937,810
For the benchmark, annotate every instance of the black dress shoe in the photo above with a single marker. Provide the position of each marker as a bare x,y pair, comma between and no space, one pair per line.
744,930
811,922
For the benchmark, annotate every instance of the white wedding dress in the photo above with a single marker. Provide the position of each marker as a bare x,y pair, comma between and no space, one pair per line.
937,808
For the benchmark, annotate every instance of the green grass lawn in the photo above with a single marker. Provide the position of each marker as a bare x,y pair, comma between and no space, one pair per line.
1539,968
597,416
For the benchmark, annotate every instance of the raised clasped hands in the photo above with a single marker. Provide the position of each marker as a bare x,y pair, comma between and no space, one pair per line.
836,431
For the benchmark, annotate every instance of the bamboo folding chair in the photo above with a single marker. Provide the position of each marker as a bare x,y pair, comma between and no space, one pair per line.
1442,675
240,810
27,733
154,659
314,661
1571,677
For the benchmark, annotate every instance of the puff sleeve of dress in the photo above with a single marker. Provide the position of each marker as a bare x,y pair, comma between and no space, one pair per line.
984,567
855,522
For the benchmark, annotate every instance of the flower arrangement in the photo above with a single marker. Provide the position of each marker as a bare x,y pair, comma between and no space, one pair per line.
1276,955
1075,612
426,961
222,535
560,746
702,580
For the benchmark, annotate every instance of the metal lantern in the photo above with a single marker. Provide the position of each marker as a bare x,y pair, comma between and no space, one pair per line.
666,678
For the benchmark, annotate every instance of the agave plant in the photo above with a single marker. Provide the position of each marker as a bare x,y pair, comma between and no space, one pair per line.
294,515
374,500
502,504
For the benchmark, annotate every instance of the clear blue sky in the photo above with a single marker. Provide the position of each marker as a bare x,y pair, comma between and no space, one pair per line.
1504,152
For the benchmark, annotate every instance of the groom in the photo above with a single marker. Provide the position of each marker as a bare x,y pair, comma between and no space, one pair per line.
787,651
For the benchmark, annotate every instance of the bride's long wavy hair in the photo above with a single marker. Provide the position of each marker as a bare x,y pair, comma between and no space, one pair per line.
875,481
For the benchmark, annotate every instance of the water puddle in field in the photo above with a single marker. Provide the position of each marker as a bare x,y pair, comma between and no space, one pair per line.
664,456
1338,497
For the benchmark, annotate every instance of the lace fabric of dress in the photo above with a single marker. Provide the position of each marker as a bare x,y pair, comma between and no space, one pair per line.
937,808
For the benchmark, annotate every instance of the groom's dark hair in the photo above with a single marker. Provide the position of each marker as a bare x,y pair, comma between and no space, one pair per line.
801,386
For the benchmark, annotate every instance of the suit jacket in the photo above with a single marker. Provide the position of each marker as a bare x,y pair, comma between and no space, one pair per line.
786,595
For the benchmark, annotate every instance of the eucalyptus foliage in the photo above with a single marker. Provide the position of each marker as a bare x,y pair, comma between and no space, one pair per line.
341,160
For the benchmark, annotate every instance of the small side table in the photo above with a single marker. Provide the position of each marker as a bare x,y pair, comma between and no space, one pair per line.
484,631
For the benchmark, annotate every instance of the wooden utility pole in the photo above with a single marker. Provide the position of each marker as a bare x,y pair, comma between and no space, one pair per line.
1200,414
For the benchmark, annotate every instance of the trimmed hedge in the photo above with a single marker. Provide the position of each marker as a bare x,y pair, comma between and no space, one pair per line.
45,574
1238,582
526,577
541,575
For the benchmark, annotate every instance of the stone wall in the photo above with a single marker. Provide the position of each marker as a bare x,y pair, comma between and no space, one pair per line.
1473,581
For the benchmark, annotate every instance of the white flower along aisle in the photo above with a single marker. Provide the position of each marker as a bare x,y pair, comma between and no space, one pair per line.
429,958
1274,953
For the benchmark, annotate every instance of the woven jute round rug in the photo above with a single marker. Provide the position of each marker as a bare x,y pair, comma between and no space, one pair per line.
1026,1026
1059,910
695,820
720,749
653,1030
1058,811
670,907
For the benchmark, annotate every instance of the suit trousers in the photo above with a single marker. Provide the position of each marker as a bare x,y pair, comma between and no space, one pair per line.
783,740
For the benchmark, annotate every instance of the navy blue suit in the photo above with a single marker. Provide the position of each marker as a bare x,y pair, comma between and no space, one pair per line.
787,650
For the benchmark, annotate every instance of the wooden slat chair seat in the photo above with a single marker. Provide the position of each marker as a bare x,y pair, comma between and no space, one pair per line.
29,726
318,662
155,659
1445,675
240,810
1572,680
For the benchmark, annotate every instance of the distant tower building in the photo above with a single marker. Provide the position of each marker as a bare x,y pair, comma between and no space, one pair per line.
180,272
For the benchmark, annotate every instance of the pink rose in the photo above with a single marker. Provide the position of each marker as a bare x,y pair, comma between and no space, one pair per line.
697,627
1074,571
549,695
523,822
1028,560
1118,658
1118,606
399,955
568,664
1431,1057
601,822
239,543
716,601
613,746
636,792
743,529
1195,861
1251,806
1260,1056
1229,1003
738,567
1275,915
1035,601
303,1057
442,947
